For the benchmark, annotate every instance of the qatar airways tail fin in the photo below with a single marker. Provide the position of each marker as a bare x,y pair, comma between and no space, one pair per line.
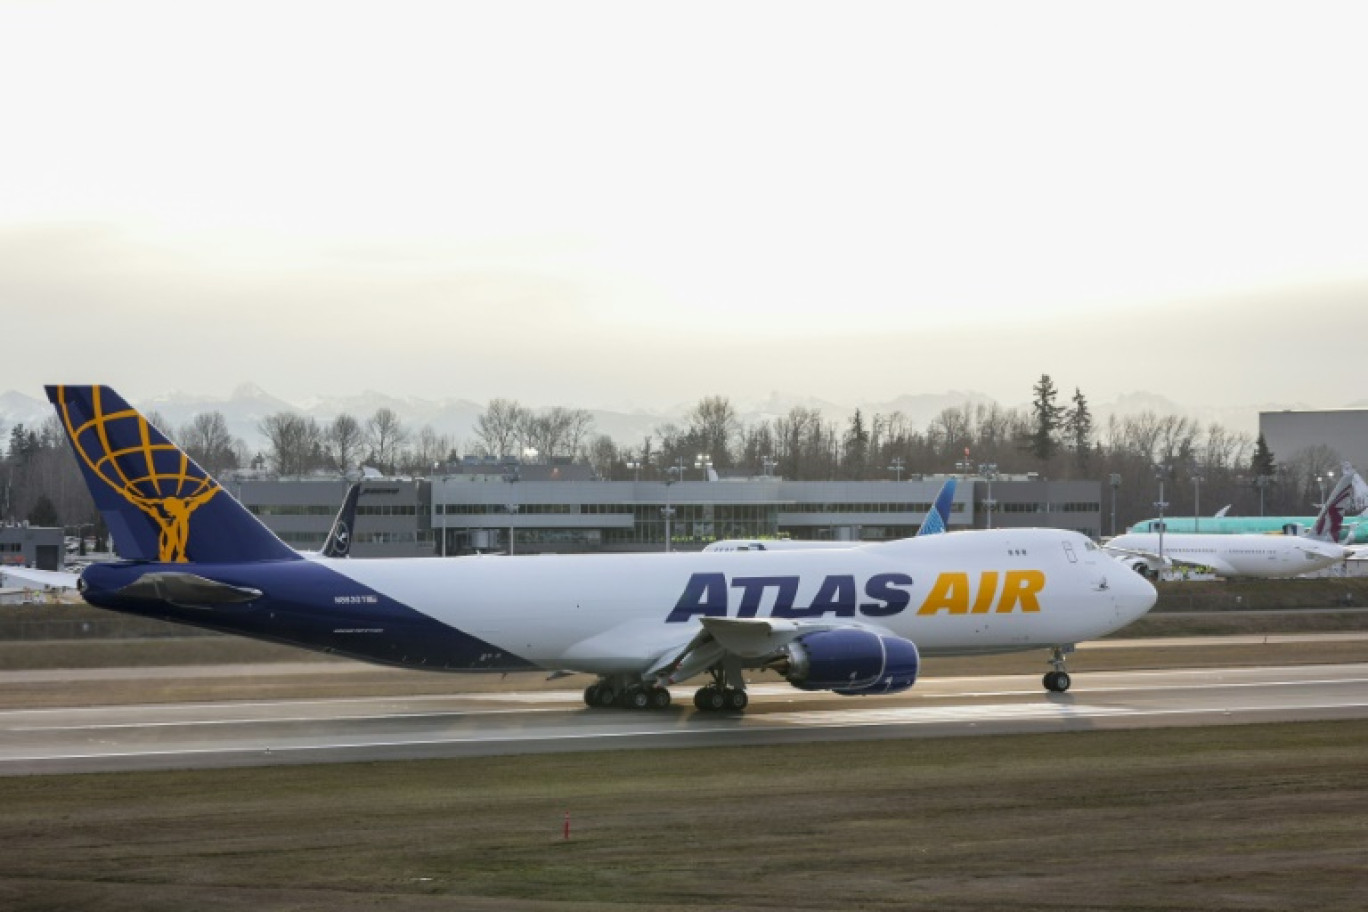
1349,495
938,517
159,505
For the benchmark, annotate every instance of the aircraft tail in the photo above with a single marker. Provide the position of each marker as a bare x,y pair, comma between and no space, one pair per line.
1349,495
159,505
938,517
339,540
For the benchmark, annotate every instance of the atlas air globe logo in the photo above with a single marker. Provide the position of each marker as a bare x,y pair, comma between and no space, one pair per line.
122,450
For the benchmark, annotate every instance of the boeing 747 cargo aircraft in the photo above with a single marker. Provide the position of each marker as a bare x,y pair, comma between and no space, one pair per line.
855,621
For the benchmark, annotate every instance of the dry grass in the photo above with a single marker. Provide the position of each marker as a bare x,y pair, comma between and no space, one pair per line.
1256,817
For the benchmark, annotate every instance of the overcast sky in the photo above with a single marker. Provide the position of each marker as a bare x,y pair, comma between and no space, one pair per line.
600,204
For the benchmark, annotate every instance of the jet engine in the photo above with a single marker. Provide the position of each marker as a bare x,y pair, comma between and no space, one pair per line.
850,661
1147,568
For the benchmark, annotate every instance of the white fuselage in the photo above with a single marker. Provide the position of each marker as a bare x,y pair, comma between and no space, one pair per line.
1237,555
970,592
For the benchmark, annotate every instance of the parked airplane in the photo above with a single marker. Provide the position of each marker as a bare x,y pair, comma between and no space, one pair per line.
1354,530
853,621
339,540
28,578
937,520
1247,554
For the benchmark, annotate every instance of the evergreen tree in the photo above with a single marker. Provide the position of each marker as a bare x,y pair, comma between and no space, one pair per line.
1078,428
1262,463
1046,417
44,513
855,447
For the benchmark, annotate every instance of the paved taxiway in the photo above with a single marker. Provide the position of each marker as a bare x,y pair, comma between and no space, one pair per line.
161,736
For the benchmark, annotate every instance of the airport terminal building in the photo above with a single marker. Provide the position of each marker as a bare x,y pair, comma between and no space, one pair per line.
563,509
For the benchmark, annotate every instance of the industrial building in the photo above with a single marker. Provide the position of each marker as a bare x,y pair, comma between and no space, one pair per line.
564,509
22,545
1343,431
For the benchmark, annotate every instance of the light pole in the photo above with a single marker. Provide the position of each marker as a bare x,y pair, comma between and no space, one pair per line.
442,549
635,466
512,478
703,462
1321,479
1261,482
1160,471
1197,503
672,474
767,466
1115,483
989,471
897,467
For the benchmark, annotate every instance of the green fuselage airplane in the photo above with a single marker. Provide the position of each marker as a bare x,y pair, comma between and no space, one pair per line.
1355,527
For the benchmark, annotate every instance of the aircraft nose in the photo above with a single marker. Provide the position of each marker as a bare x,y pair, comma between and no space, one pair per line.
1135,595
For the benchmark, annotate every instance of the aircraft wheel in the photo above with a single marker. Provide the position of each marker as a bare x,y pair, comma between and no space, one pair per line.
737,700
636,698
604,696
591,695
660,698
709,699
1057,681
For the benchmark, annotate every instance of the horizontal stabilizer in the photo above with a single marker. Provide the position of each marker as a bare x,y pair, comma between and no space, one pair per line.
188,589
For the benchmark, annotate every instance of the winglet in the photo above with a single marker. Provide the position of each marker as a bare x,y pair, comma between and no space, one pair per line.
158,504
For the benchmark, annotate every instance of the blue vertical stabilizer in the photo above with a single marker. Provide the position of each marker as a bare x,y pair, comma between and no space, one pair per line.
158,504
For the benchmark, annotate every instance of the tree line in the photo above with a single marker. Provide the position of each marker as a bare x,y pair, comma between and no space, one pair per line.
1055,439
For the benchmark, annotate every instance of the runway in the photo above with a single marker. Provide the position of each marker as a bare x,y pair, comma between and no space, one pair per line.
209,735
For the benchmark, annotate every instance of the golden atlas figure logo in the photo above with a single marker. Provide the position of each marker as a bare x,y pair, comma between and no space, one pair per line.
121,449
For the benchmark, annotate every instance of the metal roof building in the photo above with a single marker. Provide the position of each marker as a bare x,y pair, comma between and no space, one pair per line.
558,510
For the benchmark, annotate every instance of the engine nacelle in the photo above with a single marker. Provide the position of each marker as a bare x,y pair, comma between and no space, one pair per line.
1143,566
851,661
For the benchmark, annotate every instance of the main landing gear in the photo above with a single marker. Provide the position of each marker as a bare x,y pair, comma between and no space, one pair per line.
635,694
631,696
718,697
1058,681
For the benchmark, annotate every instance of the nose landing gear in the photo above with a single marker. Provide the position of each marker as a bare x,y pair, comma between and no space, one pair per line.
1058,681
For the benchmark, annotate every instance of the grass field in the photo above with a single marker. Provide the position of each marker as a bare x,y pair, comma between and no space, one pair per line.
1268,817
1243,817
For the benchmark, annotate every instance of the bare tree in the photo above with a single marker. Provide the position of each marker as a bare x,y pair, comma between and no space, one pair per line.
429,448
498,429
603,456
385,438
714,427
294,443
554,432
209,442
343,442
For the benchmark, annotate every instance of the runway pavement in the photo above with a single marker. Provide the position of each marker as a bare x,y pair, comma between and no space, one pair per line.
221,734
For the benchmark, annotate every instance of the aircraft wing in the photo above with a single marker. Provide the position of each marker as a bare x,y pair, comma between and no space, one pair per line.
744,639
1132,556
